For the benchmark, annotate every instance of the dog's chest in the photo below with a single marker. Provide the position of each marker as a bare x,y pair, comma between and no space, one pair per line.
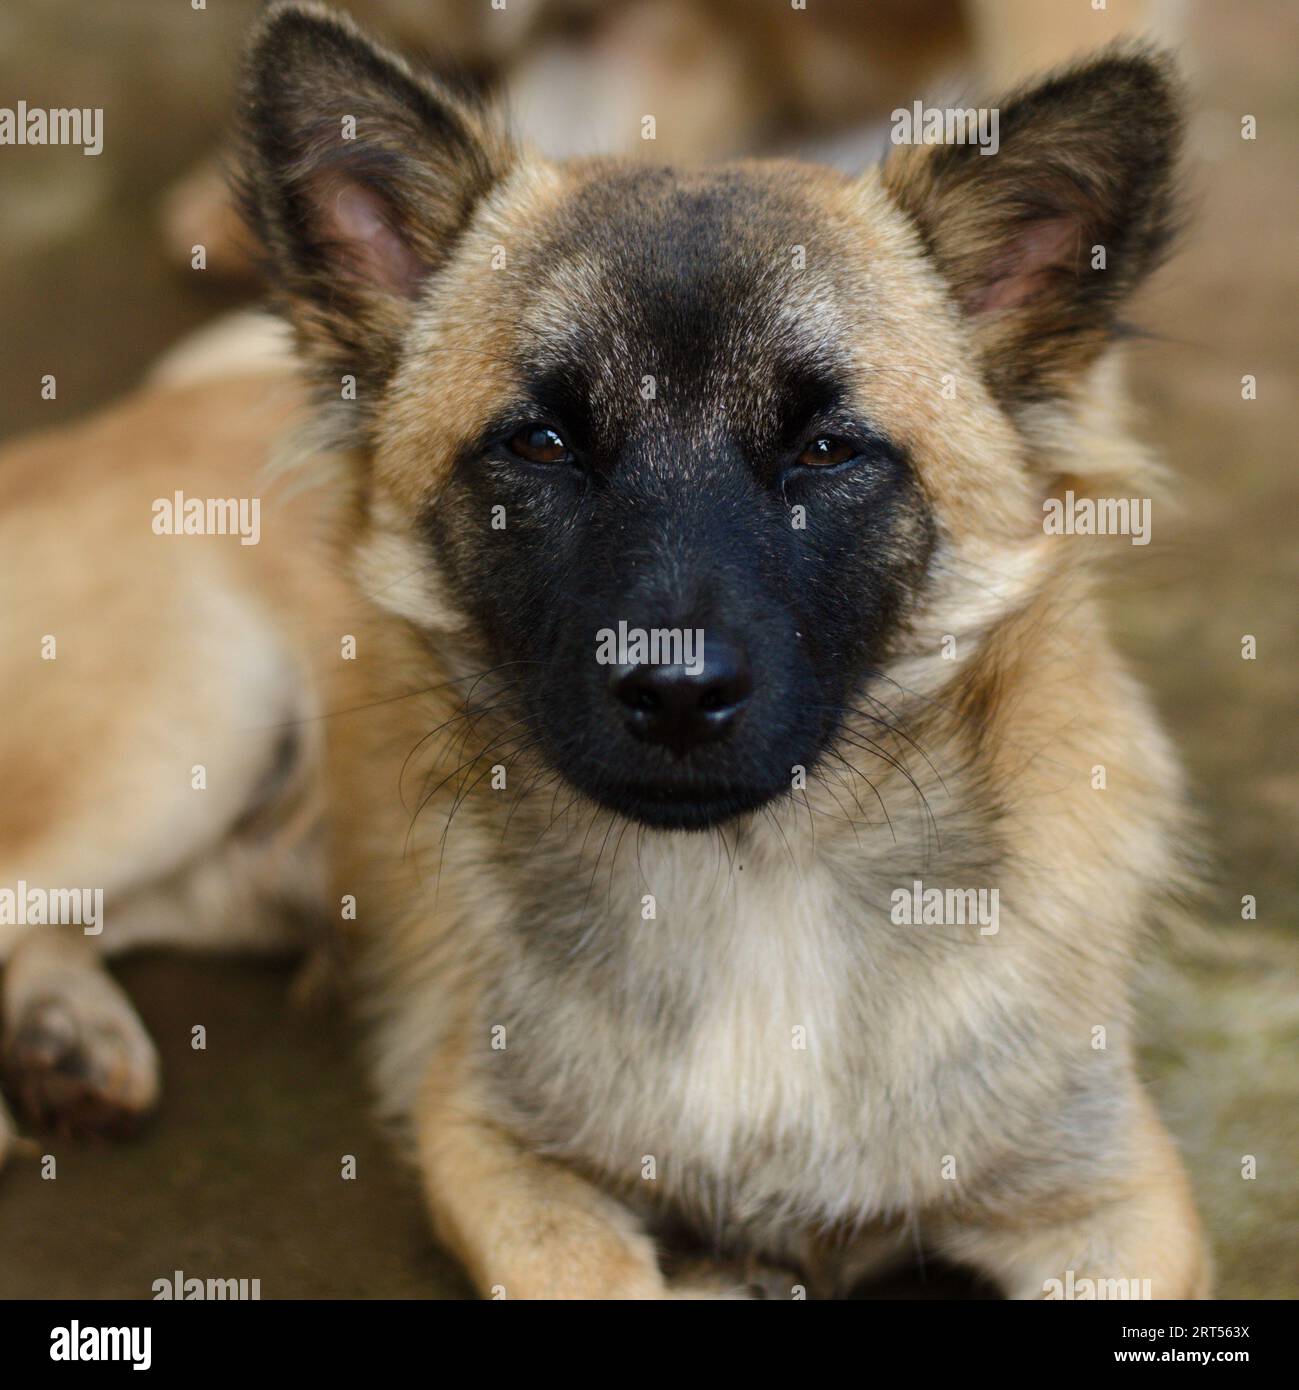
743,1041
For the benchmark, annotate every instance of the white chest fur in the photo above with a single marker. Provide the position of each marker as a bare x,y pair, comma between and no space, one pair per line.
755,1037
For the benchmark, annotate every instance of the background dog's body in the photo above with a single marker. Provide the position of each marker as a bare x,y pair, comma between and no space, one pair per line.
163,741
762,1061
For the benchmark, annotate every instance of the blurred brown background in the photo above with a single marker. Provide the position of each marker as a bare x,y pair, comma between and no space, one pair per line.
238,1175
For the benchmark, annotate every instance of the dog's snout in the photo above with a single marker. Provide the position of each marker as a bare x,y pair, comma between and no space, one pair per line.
681,706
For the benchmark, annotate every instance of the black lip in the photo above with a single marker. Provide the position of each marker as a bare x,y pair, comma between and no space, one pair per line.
682,808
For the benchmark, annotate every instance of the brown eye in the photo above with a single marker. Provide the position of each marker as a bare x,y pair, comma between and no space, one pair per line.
538,444
826,452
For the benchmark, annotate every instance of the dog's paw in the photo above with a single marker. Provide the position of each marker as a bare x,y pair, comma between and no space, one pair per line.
81,1067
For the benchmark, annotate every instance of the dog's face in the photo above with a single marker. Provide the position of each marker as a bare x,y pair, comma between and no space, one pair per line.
682,455
690,458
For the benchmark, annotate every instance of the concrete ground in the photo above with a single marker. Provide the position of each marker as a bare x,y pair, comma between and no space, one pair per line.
239,1173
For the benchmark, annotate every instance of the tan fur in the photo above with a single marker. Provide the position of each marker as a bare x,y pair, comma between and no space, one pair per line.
216,631
523,1226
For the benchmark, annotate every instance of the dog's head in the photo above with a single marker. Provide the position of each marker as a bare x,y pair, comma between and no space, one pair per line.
693,456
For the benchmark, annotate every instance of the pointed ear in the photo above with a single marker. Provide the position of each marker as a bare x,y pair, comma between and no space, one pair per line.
1042,241
358,176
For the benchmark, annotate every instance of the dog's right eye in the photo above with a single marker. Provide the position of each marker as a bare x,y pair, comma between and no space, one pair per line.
540,444
827,452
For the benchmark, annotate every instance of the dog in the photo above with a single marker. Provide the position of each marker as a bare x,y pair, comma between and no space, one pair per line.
743,832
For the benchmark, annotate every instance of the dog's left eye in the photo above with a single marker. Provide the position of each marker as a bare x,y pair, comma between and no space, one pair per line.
826,451
540,444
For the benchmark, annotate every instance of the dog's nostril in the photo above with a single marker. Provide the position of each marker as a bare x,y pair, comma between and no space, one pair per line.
719,697
680,707
634,686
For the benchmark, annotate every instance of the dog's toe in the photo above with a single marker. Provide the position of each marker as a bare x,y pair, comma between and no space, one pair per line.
83,1074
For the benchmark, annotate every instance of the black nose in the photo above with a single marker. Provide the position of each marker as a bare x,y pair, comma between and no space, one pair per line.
681,708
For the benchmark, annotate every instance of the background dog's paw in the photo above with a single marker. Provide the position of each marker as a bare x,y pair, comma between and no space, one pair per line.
81,1070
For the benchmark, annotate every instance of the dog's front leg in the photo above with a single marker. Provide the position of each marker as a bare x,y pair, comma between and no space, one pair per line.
523,1225
1136,1236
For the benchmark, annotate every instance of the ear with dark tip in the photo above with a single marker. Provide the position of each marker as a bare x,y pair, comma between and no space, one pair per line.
1043,241
358,176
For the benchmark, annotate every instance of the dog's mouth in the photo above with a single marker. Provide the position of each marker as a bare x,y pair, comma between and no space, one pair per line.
683,804
753,763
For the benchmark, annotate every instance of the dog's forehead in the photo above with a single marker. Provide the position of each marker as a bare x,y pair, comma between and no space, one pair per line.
695,290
